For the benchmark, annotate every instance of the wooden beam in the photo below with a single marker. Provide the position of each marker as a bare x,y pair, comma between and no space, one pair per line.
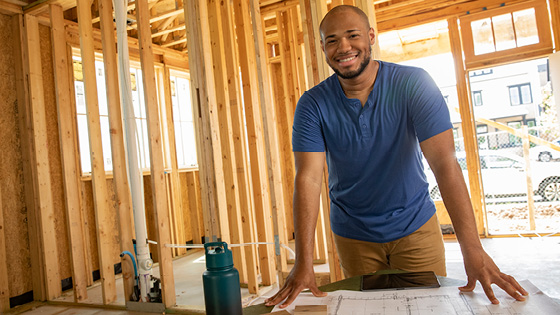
102,214
176,202
22,89
159,193
10,8
400,22
468,127
253,115
269,117
554,9
4,287
68,152
204,101
528,177
179,27
224,57
244,216
43,211
175,42
118,148
278,6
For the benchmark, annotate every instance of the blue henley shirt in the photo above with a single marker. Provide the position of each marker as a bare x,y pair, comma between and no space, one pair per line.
377,185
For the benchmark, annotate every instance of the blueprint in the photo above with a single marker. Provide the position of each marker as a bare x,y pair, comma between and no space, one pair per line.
443,300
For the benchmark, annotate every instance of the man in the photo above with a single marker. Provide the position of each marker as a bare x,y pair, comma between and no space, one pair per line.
371,119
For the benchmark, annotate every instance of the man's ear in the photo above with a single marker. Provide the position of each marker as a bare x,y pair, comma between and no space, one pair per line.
322,46
371,35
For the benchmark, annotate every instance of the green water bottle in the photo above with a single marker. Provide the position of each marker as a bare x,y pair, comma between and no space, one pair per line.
222,293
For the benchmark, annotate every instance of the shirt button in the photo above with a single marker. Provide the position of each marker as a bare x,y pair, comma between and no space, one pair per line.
364,126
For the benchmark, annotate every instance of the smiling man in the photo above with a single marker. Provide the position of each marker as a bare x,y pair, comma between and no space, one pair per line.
372,121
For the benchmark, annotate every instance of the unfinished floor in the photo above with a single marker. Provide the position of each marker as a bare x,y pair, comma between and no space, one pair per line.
534,258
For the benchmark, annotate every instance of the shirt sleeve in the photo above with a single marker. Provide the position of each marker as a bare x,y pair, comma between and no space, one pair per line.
427,107
307,134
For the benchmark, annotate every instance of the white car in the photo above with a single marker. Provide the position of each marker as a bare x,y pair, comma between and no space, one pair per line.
543,153
503,176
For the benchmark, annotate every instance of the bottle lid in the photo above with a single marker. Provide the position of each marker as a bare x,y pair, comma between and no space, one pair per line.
218,255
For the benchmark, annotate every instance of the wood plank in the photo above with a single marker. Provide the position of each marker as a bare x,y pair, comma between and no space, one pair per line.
204,103
528,176
554,7
269,117
230,79
118,148
4,288
102,215
22,88
310,40
438,14
171,156
244,217
194,205
285,109
43,210
10,8
468,127
156,154
68,152
245,20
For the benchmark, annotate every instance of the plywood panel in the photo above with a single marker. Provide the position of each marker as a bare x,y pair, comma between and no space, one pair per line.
11,169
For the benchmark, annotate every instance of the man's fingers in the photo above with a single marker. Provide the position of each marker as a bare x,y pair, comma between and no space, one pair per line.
278,297
510,285
490,293
511,280
317,292
469,286
290,298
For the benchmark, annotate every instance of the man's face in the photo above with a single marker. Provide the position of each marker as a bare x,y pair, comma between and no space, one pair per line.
346,42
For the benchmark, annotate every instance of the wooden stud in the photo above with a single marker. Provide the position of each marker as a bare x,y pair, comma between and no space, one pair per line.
238,147
554,8
4,288
245,216
41,216
468,126
208,136
528,175
285,108
261,194
156,155
102,215
118,148
68,152
176,203
197,224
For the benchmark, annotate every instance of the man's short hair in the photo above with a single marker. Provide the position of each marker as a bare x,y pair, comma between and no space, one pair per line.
344,7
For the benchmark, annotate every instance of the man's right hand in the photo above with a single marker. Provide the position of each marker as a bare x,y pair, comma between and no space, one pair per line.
299,279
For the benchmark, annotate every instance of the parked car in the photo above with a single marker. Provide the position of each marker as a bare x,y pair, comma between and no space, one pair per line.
543,153
503,176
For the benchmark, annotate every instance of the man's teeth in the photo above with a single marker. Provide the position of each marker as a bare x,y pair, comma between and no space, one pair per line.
347,59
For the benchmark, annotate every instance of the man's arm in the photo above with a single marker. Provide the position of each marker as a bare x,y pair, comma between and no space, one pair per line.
439,150
307,190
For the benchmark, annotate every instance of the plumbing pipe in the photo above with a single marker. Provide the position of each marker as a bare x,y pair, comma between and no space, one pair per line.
133,263
131,138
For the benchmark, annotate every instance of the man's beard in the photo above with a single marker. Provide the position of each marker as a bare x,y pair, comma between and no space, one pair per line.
355,73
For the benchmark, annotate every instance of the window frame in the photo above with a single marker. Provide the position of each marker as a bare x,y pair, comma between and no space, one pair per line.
543,47
520,94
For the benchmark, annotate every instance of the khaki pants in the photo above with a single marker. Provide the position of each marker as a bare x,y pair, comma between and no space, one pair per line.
422,250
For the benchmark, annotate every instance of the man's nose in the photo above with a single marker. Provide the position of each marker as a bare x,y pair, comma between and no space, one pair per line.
344,45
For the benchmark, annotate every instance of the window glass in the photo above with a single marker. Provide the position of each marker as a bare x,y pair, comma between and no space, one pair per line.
183,123
82,121
525,27
503,32
483,39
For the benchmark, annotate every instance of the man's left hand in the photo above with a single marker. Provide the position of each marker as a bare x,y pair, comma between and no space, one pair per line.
480,267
